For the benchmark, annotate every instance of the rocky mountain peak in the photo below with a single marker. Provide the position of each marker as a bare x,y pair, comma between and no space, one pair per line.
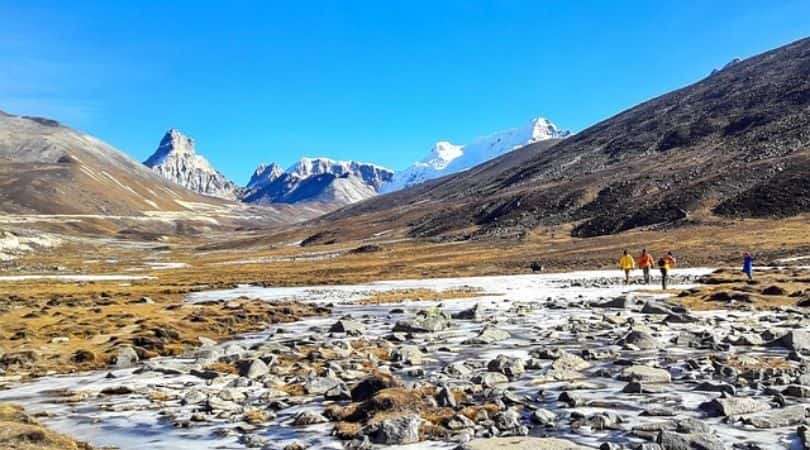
176,159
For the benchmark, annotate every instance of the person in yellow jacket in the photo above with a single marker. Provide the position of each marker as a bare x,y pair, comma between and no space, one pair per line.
627,263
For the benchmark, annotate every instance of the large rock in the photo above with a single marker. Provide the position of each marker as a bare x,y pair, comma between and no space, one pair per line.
676,441
618,302
645,374
568,361
489,335
320,385
408,354
733,406
522,443
253,368
640,339
126,357
309,417
426,321
348,326
511,367
796,340
397,430
468,314
490,379
372,384
777,418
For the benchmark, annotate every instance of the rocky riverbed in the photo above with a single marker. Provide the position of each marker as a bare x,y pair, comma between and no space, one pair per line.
577,357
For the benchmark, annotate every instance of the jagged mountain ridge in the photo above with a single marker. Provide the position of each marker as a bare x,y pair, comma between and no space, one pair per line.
446,158
176,159
736,143
316,180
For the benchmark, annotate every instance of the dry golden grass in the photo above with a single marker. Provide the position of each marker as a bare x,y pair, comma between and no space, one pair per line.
96,327
18,431
729,289
420,295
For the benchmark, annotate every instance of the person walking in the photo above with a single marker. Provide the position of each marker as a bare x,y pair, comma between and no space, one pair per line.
645,263
665,264
627,263
748,266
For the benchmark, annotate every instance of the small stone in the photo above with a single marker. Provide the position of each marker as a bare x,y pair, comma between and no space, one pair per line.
309,417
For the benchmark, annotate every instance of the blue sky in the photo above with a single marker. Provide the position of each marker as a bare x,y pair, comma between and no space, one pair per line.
379,81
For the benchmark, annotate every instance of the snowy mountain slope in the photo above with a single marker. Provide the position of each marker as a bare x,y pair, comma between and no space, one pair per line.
176,160
316,180
48,168
446,158
264,174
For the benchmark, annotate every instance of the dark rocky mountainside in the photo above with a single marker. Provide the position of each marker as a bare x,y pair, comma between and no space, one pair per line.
736,143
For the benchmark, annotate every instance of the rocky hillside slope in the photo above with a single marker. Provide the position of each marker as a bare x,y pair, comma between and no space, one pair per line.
48,168
735,144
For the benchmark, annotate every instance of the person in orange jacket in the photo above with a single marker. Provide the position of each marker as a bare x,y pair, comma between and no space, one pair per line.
665,264
627,263
645,262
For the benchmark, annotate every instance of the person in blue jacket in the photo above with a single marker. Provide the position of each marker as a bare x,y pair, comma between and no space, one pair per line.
748,265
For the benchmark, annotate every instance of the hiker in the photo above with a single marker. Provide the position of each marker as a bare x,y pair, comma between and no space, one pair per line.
645,263
666,263
748,266
627,263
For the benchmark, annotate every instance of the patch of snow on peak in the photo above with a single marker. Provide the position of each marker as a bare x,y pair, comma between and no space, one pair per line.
264,174
446,158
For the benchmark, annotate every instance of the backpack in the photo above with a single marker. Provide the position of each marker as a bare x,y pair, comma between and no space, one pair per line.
661,262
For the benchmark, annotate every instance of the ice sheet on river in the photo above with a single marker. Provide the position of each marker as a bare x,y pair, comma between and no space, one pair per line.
132,422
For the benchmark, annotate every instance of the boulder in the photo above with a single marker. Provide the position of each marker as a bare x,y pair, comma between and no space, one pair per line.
796,340
708,386
511,367
320,385
543,417
640,339
645,374
309,417
253,368
426,321
490,379
620,302
468,314
777,418
568,361
348,326
677,441
372,384
489,335
733,406
126,357
398,430
796,390
408,354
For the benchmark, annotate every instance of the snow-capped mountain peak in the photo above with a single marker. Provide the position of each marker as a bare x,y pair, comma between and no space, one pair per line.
265,173
446,158
173,142
176,159
442,154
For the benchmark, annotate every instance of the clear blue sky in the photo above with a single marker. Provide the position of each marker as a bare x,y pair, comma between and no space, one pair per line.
369,80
